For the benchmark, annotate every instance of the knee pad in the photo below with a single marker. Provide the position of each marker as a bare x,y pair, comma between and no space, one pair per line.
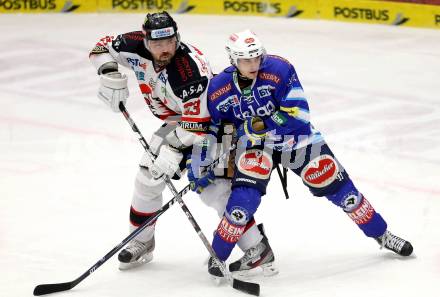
147,194
216,195
242,205
146,187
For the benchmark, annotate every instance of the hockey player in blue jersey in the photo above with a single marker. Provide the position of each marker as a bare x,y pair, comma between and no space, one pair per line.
262,97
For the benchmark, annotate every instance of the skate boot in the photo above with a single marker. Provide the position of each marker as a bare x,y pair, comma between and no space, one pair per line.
136,253
394,243
214,271
256,260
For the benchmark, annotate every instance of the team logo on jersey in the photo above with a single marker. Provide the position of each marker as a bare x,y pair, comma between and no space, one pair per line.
255,163
351,201
238,215
227,103
320,172
363,213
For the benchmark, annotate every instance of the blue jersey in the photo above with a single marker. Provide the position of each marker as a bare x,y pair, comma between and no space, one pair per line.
276,96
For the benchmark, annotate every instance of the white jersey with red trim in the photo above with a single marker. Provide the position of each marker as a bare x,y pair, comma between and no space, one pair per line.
175,93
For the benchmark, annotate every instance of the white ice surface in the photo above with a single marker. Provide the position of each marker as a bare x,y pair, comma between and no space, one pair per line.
67,163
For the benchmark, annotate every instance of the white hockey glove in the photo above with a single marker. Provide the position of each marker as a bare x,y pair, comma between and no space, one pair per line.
167,162
113,89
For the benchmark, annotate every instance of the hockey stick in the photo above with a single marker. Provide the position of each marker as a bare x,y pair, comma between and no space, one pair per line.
283,179
247,287
59,287
44,289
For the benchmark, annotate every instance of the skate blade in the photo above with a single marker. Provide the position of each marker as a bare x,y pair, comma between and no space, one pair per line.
217,280
265,270
139,262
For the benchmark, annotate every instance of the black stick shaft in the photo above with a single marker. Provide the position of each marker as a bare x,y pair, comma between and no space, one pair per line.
52,288
250,288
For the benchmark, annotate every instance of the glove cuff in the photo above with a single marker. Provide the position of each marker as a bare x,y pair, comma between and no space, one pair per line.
114,80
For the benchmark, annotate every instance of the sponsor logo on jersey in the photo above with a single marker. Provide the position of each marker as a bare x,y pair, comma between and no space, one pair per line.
104,41
229,232
265,90
255,163
191,91
265,110
134,36
133,62
184,68
320,172
203,67
162,78
194,126
191,108
279,118
269,76
221,91
252,6
437,19
140,75
246,180
361,13
143,4
363,213
227,103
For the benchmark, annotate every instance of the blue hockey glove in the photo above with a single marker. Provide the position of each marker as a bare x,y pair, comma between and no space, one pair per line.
253,129
197,162
198,181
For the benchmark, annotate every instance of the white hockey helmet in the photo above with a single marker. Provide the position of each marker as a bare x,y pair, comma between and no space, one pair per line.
244,45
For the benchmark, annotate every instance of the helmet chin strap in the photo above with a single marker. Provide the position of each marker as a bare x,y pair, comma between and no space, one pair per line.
241,76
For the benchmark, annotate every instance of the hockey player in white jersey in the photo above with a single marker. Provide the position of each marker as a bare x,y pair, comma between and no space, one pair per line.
173,78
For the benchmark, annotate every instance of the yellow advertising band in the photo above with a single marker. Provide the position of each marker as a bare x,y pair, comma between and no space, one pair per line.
364,11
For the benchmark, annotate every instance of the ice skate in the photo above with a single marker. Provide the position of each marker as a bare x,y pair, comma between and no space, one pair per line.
258,260
215,271
136,253
394,243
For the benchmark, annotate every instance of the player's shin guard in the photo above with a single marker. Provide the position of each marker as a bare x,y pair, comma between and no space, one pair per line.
226,237
359,209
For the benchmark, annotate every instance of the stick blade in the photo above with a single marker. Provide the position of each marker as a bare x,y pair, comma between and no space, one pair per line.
246,287
52,288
